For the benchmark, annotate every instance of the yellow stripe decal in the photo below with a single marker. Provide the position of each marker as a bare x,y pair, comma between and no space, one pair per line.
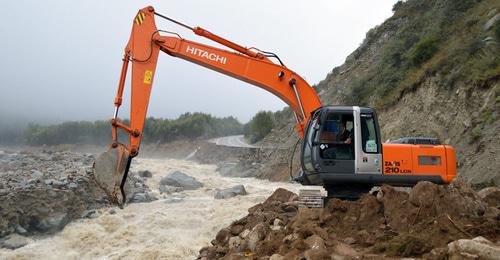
139,19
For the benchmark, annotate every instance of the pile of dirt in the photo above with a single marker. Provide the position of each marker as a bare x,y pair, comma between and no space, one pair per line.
421,222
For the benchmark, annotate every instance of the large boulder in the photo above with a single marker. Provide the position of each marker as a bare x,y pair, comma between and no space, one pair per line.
230,192
13,241
180,179
490,195
477,248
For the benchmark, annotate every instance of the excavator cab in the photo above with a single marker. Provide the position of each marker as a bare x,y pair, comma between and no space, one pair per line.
341,143
342,151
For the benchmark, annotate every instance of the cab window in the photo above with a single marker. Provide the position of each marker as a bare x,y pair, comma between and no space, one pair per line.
337,137
369,140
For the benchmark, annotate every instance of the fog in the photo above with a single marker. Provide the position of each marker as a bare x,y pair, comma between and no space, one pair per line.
61,60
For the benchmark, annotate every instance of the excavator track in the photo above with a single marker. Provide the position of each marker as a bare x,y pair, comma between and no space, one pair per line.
347,191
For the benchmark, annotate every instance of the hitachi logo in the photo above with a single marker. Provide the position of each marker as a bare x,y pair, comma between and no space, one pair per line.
206,54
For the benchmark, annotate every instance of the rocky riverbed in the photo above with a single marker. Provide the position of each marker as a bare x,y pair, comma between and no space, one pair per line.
42,191
182,220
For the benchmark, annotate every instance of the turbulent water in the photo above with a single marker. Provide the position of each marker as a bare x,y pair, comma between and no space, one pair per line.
173,227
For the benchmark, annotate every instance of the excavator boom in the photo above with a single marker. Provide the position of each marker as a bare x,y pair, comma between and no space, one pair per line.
145,43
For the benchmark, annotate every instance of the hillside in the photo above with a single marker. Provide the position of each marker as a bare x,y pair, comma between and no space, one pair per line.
432,69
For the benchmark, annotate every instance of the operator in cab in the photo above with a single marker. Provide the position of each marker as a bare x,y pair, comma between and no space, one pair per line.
344,135
337,145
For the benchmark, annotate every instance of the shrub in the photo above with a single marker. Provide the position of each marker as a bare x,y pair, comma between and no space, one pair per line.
259,126
423,50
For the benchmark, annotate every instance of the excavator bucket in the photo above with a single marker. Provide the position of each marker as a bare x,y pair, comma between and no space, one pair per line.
110,173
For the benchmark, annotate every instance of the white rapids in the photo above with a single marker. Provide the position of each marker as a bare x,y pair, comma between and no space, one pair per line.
157,230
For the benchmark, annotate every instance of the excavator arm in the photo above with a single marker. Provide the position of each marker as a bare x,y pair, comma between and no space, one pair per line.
146,41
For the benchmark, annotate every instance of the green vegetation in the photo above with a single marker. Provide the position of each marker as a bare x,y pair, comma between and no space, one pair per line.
189,125
426,38
423,50
260,125
497,31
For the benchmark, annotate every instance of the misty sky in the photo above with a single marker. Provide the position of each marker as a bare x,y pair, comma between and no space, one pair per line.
61,60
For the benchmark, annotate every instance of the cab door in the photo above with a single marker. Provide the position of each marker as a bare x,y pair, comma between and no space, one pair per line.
369,149
336,142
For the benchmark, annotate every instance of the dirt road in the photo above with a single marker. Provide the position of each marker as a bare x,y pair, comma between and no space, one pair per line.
232,141
173,227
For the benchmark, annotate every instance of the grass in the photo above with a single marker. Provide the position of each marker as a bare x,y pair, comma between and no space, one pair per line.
428,38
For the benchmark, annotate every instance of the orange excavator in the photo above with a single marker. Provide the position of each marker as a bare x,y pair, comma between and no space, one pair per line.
341,148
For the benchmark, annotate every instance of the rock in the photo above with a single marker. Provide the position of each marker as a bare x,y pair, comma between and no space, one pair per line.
257,234
90,214
112,211
145,174
49,181
277,224
491,22
479,246
244,233
73,185
315,242
142,197
58,184
492,212
174,200
223,236
316,254
53,223
290,207
281,195
349,240
237,229
423,193
290,238
490,195
345,250
234,242
179,179
491,12
139,197
36,174
169,189
489,40
13,241
230,192
277,257
20,230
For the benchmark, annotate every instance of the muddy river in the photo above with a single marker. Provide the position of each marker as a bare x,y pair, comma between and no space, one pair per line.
173,227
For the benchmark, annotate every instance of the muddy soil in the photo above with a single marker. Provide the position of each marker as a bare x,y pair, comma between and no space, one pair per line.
390,223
